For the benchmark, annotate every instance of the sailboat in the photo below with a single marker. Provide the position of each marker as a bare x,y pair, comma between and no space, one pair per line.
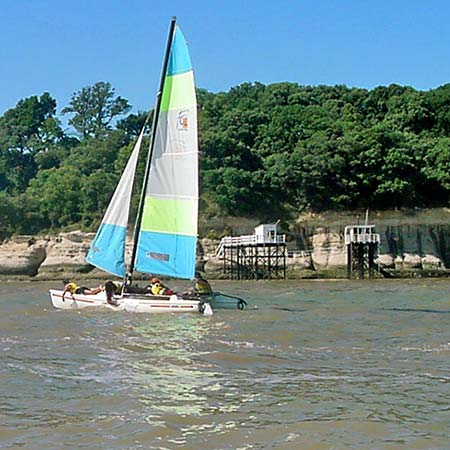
165,231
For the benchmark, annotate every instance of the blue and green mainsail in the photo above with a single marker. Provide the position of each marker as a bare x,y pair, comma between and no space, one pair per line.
167,238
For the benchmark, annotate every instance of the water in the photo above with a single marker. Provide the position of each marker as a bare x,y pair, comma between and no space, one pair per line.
312,365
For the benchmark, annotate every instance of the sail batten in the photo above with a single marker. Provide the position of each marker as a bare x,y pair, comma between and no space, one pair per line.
167,238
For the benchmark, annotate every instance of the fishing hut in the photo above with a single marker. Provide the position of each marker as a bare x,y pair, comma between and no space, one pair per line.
362,246
261,255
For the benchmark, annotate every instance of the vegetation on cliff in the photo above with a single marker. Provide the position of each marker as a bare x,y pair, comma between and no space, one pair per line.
266,150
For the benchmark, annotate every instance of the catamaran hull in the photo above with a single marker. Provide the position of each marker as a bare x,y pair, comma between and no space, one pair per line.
224,301
146,303
138,304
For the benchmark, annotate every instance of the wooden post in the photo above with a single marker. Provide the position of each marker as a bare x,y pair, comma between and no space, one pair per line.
349,261
371,259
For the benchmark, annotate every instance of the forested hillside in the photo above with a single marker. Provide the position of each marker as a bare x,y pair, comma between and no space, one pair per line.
266,151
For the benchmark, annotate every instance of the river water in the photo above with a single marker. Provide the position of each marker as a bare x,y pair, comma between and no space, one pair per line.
311,365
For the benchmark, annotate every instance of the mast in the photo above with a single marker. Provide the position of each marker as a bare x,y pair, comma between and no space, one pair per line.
137,224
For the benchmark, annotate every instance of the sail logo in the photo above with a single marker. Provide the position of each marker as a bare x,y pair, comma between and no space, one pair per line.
183,120
158,256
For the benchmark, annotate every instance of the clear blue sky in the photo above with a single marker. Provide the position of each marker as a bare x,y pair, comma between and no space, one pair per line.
60,46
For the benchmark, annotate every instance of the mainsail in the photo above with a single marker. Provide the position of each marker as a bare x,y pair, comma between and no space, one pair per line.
167,239
107,251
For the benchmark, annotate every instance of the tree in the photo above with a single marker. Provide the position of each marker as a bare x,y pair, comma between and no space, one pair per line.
436,166
57,195
409,111
439,99
94,108
319,174
234,190
8,215
265,151
28,129
97,190
97,153
133,123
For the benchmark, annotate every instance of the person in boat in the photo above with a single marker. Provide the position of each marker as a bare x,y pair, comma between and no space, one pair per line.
157,288
135,289
200,286
72,288
112,288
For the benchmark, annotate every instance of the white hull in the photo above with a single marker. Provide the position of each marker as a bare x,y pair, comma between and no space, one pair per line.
145,303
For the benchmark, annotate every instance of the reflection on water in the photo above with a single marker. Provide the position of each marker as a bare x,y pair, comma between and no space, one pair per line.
310,365
165,364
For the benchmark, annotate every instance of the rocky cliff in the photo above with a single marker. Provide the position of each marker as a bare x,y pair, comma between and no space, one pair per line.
413,243
410,241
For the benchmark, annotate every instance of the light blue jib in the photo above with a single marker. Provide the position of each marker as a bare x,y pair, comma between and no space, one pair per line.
166,254
107,251
179,61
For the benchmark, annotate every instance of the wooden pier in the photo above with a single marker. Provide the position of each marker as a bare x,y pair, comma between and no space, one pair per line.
253,257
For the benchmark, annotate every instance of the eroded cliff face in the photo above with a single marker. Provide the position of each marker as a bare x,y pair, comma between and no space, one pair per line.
418,240
22,255
410,240
67,251
34,256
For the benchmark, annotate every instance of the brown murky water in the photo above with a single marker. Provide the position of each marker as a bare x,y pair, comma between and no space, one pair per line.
311,365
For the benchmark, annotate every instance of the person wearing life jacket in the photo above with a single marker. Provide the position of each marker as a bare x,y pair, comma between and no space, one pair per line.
73,288
201,286
157,288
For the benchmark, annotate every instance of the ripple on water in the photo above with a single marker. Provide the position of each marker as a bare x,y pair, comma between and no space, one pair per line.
315,366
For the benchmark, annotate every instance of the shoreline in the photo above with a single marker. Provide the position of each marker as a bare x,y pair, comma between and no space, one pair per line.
411,274
412,244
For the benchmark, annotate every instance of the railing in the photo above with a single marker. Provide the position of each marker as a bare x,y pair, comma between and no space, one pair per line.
251,239
361,234
299,253
365,238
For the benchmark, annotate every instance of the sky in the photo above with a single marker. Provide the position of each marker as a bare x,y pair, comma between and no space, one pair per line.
61,46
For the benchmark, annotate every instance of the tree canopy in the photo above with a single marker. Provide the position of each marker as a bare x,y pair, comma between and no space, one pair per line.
94,108
266,151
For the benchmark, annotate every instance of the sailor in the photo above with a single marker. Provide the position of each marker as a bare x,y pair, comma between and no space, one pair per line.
157,288
73,288
135,289
201,286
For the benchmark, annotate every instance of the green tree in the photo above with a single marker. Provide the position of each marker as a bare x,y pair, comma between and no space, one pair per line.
94,108
28,129
439,100
97,190
436,168
9,215
133,123
235,190
97,153
264,151
409,111
57,195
